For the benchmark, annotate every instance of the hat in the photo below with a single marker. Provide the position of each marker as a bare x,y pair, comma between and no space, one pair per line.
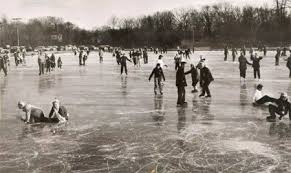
21,104
259,86
284,94
160,56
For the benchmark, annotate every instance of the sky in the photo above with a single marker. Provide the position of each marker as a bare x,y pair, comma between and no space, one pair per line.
95,13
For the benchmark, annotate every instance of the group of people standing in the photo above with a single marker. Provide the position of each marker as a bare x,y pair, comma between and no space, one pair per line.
199,73
48,62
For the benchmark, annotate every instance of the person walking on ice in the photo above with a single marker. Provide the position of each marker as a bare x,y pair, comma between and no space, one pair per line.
195,77
256,65
205,79
243,62
181,83
158,76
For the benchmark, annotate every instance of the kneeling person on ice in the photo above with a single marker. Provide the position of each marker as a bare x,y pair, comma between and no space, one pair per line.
158,75
58,113
33,114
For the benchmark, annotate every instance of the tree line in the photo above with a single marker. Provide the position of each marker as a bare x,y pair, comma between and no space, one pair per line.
211,25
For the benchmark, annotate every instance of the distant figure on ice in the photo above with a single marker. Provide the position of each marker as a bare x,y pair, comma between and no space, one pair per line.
288,65
53,61
145,56
187,53
101,54
81,57
181,83
32,114
58,113
195,77
256,65
243,65
41,63
123,60
60,63
243,50
234,53
3,63
177,60
225,53
85,57
158,76
205,79
265,50
47,63
277,57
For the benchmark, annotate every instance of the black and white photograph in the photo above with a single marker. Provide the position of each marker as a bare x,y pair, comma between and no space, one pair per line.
145,86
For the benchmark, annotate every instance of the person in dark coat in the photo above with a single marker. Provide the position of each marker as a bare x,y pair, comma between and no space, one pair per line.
281,107
234,53
181,83
145,56
47,63
265,50
158,76
53,61
225,53
3,63
123,60
117,55
243,65
205,79
177,60
288,64
195,77
81,57
256,65
60,63
277,57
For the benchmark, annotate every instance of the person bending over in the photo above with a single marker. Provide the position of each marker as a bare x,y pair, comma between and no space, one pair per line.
58,113
32,114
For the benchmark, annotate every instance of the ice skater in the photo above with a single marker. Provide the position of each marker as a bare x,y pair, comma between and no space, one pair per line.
123,60
288,65
181,83
177,60
60,63
243,66
158,76
3,63
41,63
225,53
277,57
234,53
101,54
256,65
205,79
160,61
195,77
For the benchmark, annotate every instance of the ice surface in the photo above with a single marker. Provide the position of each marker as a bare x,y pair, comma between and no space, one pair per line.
118,125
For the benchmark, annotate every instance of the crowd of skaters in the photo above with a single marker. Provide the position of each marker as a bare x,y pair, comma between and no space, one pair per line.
200,73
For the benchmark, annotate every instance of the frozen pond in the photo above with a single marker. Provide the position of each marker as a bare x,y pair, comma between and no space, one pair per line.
118,125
